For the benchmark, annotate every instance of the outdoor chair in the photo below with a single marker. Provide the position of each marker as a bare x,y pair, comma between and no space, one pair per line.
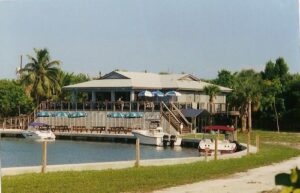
80,129
98,129
121,129
61,128
45,127
127,130
113,129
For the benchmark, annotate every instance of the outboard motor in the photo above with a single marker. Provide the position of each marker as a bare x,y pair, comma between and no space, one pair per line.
173,139
166,140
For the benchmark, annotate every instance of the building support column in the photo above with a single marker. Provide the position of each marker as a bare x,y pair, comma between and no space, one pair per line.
112,96
93,99
74,96
131,95
74,99
93,96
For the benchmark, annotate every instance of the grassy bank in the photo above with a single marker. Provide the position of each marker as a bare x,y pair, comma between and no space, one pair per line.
142,179
265,136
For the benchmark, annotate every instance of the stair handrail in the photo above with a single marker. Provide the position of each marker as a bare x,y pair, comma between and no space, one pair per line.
171,112
31,116
176,127
180,113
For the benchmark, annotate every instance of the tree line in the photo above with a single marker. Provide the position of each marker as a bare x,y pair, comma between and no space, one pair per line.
271,95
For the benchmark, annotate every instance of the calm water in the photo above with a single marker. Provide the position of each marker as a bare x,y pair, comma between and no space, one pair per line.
21,152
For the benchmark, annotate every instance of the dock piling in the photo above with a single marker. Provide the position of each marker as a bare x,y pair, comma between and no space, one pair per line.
44,156
137,154
216,147
248,143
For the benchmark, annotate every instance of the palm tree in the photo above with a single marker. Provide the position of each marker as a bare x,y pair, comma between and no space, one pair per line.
41,75
247,95
212,92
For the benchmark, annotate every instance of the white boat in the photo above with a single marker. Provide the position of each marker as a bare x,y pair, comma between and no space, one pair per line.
156,137
223,146
34,133
38,135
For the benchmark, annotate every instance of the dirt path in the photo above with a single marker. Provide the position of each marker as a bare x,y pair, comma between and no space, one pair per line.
252,181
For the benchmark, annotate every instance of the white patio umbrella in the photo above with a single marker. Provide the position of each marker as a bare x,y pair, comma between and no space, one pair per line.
145,93
173,93
157,93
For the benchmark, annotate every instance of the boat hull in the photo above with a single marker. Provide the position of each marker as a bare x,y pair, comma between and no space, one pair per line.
38,135
224,147
149,140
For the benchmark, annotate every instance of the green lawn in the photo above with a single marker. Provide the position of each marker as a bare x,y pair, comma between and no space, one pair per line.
146,179
265,136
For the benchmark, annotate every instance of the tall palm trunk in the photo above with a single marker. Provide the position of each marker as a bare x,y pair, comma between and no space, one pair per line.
276,115
244,122
210,107
249,116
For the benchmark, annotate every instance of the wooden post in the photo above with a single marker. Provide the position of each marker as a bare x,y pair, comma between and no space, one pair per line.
206,152
248,143
216,147
257,143
44,156
137,152
235,138
160,107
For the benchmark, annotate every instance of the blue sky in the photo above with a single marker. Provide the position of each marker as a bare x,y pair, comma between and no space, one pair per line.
194,36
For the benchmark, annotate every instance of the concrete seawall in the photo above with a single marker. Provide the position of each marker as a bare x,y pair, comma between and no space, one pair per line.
119,164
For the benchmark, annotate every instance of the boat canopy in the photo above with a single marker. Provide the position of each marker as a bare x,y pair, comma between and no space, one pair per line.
218,128
193,113
37,124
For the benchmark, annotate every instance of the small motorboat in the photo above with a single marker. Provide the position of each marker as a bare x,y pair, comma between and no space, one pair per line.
39,132
223,146
156,137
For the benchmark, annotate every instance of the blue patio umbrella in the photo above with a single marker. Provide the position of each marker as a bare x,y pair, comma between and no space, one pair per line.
77,114
140,115
116,115
173,93
44,114
131,115
61,114
145,93
158,93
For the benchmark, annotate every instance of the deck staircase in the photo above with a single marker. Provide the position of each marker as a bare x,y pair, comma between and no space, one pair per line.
174,116
19,122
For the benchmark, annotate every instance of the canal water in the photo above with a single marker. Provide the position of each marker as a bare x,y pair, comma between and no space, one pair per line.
21,152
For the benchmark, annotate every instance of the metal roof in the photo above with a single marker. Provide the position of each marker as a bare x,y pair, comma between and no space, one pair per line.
145,80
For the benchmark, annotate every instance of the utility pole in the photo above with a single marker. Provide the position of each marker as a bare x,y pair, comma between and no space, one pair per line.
18,70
